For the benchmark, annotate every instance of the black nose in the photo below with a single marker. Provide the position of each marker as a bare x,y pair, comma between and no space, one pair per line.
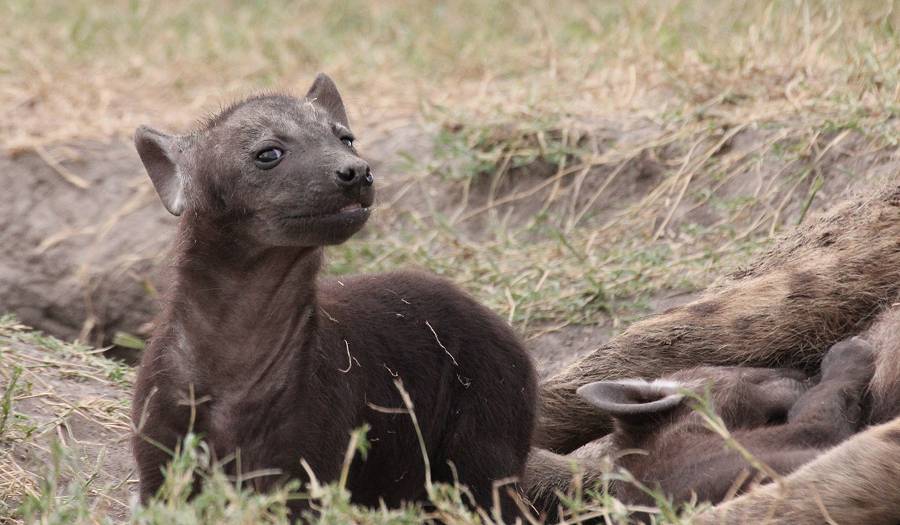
355,173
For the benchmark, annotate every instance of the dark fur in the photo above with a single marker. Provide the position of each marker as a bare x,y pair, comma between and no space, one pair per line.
767,411
281,367
855,482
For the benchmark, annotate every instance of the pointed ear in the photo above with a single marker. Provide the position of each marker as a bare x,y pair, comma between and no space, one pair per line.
161,154
633,401
325,95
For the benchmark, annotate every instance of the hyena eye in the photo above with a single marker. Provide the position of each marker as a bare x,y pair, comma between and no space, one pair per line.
348,141
269,158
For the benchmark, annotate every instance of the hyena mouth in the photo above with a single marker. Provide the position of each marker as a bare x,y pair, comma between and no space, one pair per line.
350,210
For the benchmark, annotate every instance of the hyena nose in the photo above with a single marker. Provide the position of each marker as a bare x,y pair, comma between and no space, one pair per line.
355,173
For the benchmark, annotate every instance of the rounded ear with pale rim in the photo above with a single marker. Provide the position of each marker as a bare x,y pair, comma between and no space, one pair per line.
633,400
324,93
162,156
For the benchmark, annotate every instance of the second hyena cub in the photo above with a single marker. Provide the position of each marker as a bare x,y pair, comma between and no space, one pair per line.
771,413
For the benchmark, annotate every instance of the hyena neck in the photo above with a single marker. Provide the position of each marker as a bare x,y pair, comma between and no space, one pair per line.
241,312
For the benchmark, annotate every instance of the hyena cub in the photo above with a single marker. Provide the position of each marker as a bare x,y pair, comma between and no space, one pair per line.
274,366
770,412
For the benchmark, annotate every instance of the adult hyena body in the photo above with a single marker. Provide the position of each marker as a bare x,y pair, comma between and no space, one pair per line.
820,284
884,335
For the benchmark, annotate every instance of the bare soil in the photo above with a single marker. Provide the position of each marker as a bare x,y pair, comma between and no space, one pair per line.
80,261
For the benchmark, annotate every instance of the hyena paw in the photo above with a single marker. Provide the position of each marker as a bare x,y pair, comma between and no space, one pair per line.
852,359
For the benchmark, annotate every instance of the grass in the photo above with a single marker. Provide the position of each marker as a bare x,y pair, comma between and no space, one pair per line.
589,158
568,165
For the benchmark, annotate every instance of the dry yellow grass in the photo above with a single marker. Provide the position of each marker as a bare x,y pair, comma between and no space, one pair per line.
85,69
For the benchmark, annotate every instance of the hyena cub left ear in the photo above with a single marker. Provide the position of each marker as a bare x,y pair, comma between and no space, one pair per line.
164,159
324,93
633,401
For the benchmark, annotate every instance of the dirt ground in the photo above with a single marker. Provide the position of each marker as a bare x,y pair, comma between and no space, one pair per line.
62,393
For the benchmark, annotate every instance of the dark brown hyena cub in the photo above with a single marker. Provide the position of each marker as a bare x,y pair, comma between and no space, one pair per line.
769,412
281,366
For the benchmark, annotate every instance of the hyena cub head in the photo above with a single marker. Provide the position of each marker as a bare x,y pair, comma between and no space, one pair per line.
743,397
274,169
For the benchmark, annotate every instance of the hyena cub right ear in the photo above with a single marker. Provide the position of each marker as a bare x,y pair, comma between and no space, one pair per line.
633,401
163,157
324,93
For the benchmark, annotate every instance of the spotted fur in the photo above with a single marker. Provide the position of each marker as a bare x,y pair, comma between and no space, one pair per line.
819,284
